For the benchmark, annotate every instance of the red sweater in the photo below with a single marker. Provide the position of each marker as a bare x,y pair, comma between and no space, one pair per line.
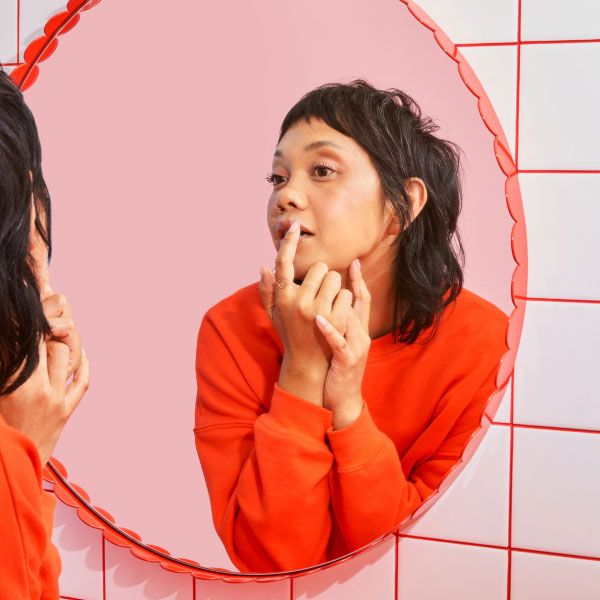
286,490
29,563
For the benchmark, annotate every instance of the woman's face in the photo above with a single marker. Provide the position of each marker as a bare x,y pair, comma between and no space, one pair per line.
327,181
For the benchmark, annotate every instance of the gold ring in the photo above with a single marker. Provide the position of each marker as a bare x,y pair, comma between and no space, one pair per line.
279,285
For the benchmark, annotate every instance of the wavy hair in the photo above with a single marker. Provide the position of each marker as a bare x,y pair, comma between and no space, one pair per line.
22,320
389,125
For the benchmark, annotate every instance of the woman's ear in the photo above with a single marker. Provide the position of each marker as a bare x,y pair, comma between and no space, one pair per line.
417,192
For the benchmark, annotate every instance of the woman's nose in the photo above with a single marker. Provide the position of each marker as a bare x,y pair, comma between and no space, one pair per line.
290,197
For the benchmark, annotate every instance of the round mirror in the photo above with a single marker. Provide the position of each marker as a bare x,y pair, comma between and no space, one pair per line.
158,124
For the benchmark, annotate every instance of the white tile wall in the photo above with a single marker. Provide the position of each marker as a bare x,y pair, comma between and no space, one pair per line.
34,14
556,491
129,578
572,20
496,69
441,570
556,371
369,575
542,577
469,21
8,35
80,550
559,122
563,248
220,590
475,507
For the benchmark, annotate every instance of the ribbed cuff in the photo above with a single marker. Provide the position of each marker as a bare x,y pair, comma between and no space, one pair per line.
291,411
353,446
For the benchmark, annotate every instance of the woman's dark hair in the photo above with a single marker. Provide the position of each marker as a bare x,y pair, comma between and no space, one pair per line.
22,320
389,125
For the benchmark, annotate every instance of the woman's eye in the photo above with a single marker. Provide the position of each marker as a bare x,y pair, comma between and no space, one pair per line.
274,179
320,170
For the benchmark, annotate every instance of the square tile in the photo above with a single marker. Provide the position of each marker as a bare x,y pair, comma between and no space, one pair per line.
130,578
221,590
8,34
444,571
496,69
543,577
368,575
472,21
572,20
556,380
80,549
34,14
561,213
556,491
559,121
475,506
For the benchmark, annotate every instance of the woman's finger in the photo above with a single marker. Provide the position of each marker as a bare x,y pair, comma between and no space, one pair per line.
333,337
79,385
58,364
64,330
266,290
56,305
362,302
284,262
342,306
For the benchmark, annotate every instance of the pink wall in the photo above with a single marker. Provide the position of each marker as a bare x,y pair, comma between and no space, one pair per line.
157,166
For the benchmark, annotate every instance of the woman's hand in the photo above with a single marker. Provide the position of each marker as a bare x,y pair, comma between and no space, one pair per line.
59,315
293,309
342,392
41,406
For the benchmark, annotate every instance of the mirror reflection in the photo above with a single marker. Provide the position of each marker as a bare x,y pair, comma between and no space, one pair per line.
335,394
175,175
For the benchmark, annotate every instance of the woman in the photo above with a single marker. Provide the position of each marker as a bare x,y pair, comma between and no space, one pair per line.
336,394
40,351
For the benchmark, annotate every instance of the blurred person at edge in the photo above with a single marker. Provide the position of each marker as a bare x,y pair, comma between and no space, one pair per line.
44,372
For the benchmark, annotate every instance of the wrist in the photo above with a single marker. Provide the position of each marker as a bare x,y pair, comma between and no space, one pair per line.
344,417
302,381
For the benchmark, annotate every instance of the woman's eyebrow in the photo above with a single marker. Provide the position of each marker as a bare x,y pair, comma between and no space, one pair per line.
313,146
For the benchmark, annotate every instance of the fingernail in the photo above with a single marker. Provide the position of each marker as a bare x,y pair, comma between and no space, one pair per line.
294,226
262,275
321,320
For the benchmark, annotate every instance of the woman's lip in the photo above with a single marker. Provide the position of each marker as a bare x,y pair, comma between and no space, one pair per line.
301,240
281,228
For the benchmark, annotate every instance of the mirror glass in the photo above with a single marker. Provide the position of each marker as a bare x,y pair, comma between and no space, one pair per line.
158,125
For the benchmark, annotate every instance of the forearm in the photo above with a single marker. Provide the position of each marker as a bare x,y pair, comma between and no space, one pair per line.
271,509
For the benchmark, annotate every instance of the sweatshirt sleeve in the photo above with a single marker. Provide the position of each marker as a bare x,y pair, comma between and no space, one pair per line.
29,562
371,490
265,471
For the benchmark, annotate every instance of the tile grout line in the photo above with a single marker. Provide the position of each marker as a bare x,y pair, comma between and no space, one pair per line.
512,383
545,427
524,43
510,487
495,547
573,300
561,171
18,31
103,568
396,566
